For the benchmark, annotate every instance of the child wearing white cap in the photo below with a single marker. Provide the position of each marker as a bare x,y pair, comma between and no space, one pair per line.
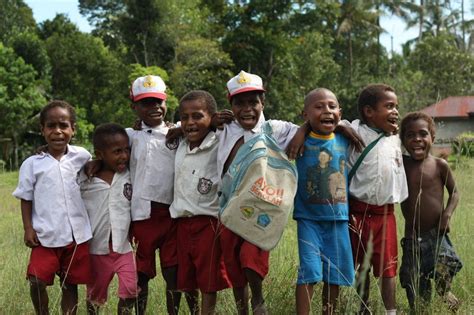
152,174
245,262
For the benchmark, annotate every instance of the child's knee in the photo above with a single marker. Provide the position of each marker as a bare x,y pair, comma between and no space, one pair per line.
36,283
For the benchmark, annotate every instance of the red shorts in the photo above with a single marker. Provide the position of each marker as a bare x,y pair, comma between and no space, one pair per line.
104,267
200,263
71,263
375,224
239,254
157,232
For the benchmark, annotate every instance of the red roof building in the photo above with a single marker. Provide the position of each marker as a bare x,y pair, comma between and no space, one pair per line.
453,116
452,107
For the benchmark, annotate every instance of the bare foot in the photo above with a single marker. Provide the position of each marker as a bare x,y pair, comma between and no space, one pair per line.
260,309
452,301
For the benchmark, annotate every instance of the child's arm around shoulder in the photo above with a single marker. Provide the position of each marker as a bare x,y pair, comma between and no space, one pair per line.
448,180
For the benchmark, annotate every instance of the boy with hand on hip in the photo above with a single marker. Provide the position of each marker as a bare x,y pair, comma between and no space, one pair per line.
375,187
196,203
427,250
107,198
55,220
322,213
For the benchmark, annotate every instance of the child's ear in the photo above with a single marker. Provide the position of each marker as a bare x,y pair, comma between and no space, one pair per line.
98,154
304,115
368,111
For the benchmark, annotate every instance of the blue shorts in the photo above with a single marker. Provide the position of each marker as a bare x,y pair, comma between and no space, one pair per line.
325,252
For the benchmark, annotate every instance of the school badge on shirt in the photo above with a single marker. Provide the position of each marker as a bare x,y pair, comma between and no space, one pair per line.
204,185
172,144
127,191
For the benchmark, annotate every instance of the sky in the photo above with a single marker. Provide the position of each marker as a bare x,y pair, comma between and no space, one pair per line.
47,9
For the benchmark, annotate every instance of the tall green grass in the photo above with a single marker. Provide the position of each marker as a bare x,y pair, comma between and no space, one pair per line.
279,286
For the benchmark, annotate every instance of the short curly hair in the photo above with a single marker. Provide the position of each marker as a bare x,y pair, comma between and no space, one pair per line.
103,132
57,103
410,117
205,96
370,96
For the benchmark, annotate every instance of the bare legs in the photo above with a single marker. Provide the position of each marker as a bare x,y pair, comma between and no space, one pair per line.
304,294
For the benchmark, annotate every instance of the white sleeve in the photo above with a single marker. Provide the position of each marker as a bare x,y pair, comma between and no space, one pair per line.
283,132
26,181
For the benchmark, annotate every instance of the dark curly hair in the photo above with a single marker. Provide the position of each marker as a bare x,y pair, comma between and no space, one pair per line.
410,117
370,96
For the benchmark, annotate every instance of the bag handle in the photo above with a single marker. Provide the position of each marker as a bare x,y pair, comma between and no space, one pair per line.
362,156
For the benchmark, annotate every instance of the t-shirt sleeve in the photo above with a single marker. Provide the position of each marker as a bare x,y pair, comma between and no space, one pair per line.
283,132
26,181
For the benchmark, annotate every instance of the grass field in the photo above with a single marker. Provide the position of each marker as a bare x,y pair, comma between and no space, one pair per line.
279,286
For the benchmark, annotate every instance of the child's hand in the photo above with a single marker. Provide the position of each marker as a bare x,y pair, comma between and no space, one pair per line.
444,224
353,136
137,125
92,167
30,237
225,116
296,146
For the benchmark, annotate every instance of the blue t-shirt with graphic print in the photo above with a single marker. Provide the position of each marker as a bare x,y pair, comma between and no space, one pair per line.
322,193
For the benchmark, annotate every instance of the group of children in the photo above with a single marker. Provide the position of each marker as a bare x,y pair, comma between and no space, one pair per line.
83,218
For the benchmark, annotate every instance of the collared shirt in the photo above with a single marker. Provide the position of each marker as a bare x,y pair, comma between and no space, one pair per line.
58,214
196,179
283,133
380,178
151,169
108,207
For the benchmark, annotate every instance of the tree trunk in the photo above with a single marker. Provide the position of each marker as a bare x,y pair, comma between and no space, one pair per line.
422,16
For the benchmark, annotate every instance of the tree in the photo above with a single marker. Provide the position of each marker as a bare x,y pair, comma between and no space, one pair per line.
446,70
20,98
194,69
15,16
86,74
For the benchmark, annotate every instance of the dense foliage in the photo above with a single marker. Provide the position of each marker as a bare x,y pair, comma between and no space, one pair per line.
294,46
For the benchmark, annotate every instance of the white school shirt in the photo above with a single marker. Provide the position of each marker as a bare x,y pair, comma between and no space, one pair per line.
283,133
380,178
196,180
58,213
151,169
108,207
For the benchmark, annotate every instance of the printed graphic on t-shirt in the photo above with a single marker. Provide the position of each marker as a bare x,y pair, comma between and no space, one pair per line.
325,184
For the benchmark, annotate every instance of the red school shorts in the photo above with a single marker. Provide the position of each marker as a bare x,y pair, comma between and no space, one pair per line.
200,263
71,263
376,224
157,232
239,254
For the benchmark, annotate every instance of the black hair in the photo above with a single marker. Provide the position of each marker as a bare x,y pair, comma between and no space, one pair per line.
205,96
370,96
57,103
315,91
260,95
103,132
410,117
